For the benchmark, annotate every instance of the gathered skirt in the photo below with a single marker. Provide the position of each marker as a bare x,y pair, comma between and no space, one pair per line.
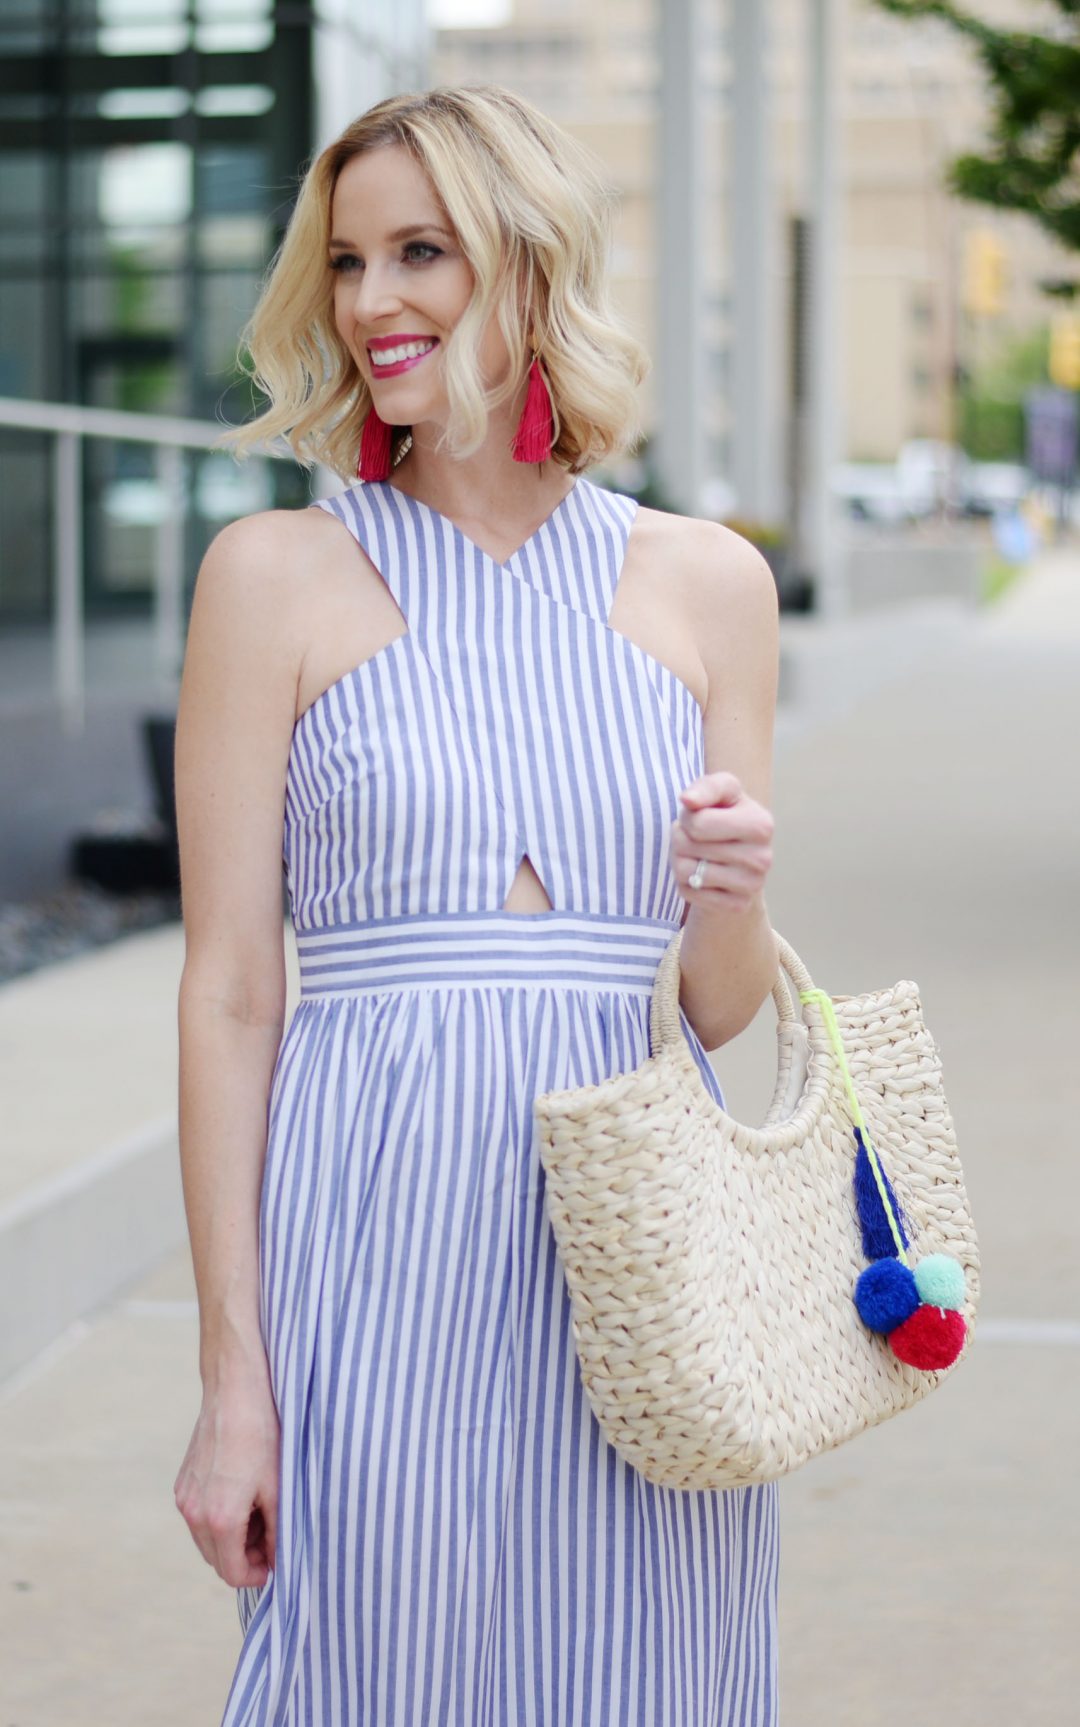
457,1542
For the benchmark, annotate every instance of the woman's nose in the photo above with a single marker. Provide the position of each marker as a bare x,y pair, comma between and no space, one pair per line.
374,294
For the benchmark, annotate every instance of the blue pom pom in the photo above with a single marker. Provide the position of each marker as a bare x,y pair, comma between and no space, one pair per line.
877,1238
885,1295
939,1278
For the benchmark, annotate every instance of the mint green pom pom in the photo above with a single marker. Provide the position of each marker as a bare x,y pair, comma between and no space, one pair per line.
939,1280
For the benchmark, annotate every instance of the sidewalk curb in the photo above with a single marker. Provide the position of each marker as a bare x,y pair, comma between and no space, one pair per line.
75,1242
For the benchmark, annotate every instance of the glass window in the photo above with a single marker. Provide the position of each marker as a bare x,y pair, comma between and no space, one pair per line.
142,250
160,104
25,509
24,311
219,99
24,26
234,242
16,105
232,182
135,26
448,14
231,197
225,489
23,184
137,184
115,303
227,300
24,248
233,26
128,207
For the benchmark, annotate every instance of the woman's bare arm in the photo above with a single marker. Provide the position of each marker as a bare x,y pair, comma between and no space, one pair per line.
234,724
728,956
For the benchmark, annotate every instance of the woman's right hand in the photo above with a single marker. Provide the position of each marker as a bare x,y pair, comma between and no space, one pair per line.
227,1488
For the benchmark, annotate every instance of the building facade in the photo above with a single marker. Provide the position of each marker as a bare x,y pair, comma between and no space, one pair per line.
149,159
912,96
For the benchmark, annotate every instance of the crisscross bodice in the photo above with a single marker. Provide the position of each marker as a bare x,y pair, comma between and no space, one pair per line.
510,721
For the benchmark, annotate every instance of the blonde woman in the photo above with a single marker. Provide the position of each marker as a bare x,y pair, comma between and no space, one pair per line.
507,731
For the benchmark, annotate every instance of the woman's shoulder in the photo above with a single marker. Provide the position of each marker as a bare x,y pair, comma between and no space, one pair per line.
713,559
275,552
726,598
271,536
262,574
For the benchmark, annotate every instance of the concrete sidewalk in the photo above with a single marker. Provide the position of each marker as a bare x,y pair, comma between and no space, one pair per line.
926,827
929,1570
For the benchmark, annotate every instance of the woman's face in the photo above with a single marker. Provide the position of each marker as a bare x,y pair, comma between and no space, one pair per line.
401,279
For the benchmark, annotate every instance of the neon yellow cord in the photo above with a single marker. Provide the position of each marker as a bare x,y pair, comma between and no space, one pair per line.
828,1014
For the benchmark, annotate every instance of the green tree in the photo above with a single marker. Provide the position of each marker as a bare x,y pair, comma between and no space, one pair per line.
991,427
1033,163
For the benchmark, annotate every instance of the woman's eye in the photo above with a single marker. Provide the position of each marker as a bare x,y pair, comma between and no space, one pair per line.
346,262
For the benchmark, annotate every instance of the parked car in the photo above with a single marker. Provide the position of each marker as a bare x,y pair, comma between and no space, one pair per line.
931,475
991,487
870,491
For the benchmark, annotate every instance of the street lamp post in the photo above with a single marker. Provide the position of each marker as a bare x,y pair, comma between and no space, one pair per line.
680,452
823,539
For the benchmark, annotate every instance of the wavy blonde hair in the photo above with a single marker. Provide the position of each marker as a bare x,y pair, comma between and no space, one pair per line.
533,215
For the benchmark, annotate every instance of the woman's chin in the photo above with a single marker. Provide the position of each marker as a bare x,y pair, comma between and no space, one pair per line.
400,405
402,408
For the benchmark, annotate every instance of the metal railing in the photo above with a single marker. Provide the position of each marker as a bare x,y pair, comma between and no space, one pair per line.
68,425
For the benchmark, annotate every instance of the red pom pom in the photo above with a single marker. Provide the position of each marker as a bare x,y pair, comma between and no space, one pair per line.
932,1338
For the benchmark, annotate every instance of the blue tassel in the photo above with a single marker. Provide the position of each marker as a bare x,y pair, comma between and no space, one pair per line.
877,1237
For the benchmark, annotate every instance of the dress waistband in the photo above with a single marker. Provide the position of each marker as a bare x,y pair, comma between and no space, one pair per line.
462,950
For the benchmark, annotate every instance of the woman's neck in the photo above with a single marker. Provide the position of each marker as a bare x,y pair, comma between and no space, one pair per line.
488,487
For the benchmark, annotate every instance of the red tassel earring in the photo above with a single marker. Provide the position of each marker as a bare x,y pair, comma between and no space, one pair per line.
536,428
375,443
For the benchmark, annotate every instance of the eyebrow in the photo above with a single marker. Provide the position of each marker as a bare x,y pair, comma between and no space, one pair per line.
400,234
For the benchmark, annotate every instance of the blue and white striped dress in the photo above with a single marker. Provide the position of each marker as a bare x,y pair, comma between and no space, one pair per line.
457,1543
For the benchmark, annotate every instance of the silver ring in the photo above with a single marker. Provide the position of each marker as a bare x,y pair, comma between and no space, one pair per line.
698,877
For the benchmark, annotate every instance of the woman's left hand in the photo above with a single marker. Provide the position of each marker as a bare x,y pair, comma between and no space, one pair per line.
732,833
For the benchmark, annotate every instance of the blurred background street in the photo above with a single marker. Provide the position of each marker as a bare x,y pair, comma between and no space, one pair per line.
867,370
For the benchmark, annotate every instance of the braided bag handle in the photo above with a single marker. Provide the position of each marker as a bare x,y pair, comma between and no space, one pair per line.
665,1030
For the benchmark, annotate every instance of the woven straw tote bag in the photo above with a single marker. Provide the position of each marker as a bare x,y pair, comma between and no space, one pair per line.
712,1267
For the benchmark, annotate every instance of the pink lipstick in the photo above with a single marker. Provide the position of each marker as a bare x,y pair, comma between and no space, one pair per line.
407,362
